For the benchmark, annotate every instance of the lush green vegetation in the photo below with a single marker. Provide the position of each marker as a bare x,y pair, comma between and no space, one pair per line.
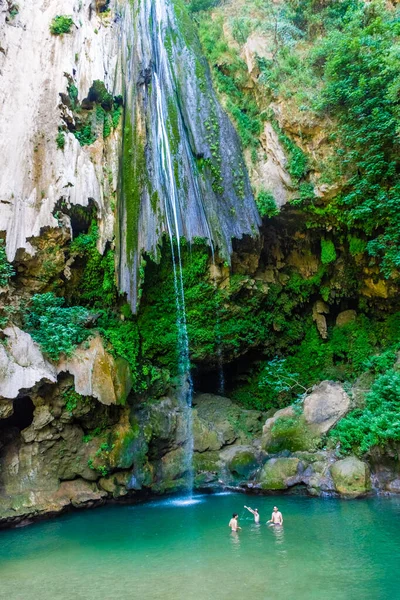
349,351
335,60
57,328
100,116
377,424
60,140
61,24
6,268
97,282
266,204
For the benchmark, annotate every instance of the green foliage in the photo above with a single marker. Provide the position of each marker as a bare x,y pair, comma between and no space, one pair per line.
266,204
378,424
72,399
6,268
61,24
85,136
97,283
73,94
349,351
56,328
199,5
230,74
60,140
328,252
102,119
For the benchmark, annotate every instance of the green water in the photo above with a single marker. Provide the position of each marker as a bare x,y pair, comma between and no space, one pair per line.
327,549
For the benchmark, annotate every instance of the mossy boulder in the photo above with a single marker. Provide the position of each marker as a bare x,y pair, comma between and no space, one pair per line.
240,460
204,437
351,477
277,472
287,430
206,462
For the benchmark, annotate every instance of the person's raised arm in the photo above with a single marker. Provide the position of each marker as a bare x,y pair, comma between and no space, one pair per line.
250,509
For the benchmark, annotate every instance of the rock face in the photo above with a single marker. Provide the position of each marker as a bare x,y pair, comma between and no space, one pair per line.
35,173
200,187
96,373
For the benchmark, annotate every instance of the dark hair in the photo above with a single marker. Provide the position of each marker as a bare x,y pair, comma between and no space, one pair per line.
235,515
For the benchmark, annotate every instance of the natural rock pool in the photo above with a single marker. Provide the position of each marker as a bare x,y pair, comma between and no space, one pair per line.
328,549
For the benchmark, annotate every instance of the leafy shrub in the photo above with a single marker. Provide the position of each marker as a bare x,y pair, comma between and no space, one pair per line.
56,328
266,204
60,140
61,24
199,5
328,252
97,284
378,424
6,268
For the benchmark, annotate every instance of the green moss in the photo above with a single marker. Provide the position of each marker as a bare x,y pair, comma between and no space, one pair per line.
134,179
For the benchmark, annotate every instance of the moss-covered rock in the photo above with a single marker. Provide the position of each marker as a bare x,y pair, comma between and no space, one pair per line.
276,473
351,477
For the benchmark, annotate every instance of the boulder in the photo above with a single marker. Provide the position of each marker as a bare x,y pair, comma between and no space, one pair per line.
287,430
279,473
351,477
241,461
323,408
204,437
78,492
345,317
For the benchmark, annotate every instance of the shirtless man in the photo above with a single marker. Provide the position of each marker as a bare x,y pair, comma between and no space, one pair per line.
233,523
276,517
255,513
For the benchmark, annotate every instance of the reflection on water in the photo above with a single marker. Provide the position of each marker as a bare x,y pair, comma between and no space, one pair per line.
235,540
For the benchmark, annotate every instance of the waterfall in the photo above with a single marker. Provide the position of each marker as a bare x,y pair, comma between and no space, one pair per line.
167,177
182,172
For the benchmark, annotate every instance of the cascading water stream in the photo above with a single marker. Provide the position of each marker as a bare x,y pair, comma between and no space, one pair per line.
175,178
174,233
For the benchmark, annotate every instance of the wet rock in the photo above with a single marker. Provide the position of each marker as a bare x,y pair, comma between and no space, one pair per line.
278,473
78,492
351,477
241,461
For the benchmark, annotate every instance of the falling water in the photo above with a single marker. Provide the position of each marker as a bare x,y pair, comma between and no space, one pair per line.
174,232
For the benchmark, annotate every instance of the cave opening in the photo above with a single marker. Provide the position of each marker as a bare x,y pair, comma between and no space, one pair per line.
22,416
207,378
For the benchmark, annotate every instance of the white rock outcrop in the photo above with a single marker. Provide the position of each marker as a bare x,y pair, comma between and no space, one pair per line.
96,373
34,172
22,364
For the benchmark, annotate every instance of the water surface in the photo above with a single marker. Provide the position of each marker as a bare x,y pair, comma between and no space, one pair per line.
171,550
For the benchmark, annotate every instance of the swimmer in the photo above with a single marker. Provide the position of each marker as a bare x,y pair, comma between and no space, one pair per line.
233,523
255,513
276,517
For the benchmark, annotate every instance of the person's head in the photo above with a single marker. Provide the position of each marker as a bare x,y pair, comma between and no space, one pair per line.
275,509
256,510
235,515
